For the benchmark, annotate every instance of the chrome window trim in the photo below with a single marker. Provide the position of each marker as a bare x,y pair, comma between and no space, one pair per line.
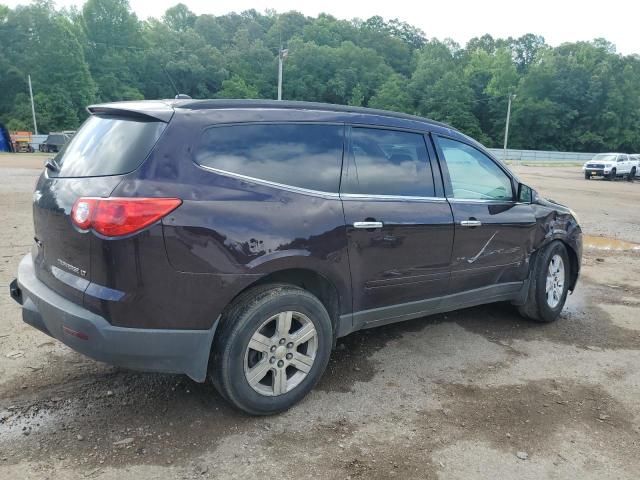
317,193
362,196
268,183
479,200
350,196
392,128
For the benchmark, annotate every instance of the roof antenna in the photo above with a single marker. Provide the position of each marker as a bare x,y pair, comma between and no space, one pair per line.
171,81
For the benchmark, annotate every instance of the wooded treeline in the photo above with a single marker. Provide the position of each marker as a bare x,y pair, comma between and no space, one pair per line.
579,96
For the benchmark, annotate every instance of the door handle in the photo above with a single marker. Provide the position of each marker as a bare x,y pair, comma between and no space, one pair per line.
470,223
367,224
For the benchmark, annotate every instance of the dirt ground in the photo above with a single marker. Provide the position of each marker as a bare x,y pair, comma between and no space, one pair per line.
479,393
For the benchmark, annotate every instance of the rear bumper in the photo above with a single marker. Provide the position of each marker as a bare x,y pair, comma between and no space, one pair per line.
158,350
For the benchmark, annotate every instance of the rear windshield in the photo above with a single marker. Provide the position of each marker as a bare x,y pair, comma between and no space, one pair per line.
107,145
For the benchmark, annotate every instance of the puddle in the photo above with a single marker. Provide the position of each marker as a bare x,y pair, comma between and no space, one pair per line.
604,243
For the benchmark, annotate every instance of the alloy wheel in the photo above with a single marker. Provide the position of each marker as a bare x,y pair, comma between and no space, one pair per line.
555,281
280,353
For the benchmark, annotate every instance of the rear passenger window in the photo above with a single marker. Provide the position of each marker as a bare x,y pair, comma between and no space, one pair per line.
387,162
301,155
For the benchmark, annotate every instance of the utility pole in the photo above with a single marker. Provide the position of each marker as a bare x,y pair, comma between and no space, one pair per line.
506,128
282,54
33,108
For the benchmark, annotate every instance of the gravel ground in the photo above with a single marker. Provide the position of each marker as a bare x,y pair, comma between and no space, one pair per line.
479,393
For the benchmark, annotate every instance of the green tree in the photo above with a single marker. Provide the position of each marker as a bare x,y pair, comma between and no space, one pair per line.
4,13
179,17
584,91
329,31
393,95
285,27
357,96
577,96
439,88
526,49
492,75
236,87
380,36
208,27
114,48
182,58
40,42
330,74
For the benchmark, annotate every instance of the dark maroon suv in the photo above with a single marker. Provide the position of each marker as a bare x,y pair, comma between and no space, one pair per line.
236,240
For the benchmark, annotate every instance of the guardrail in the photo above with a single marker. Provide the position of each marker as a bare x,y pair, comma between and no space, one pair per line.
514,155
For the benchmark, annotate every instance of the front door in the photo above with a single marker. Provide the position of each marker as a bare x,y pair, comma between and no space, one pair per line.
399,230
493,232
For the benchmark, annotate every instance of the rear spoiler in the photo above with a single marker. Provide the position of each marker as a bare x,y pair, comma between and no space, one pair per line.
149,110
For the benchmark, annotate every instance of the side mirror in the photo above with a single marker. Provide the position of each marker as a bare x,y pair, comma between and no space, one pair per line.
525,193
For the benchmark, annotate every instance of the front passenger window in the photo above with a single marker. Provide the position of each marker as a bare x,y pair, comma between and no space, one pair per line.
474,176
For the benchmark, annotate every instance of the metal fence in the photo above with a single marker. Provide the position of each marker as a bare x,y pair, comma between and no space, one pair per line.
540,155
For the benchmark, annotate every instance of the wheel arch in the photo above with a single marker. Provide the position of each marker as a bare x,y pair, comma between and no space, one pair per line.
310,280
574,264
572,253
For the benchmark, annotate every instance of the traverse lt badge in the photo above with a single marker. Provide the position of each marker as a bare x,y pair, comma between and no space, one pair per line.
74,269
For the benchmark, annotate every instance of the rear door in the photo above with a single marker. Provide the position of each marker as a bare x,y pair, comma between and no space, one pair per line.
91,165
399,226
493,232
623,165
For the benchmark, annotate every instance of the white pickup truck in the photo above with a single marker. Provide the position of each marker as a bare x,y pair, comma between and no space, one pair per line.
612,165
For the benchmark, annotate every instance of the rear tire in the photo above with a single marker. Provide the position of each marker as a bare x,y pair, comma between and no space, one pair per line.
273,346
548,284
632,174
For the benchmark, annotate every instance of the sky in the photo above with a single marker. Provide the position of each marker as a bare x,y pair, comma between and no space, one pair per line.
558,21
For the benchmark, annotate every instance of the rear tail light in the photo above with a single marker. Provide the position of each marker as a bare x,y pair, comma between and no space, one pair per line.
114,217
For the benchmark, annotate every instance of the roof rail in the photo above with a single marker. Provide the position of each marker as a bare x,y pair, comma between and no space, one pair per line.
294,104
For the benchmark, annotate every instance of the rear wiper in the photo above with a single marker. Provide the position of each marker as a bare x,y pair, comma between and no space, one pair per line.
52,165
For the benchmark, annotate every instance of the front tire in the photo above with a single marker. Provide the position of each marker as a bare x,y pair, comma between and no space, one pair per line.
587,176
273,347
548,284
612,174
